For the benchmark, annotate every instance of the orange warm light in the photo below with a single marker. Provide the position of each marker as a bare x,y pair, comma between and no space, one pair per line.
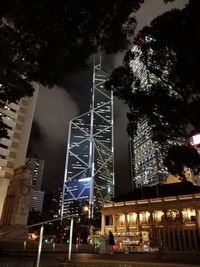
86,208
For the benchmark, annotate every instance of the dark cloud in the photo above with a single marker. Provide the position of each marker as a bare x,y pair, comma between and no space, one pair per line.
55,108
151,9
80,84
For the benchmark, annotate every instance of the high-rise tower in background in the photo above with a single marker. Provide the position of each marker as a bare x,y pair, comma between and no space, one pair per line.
18,119
36,167
89,171
146,157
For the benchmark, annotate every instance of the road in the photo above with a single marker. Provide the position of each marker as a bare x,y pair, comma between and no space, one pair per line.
29,260
52,259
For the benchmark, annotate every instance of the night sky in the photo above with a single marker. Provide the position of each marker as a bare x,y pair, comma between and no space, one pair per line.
71,97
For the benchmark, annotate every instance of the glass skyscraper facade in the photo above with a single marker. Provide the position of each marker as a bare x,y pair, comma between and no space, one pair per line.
89,170
36,167
146,157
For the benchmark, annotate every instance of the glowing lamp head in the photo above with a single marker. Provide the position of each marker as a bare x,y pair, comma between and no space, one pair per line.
86,208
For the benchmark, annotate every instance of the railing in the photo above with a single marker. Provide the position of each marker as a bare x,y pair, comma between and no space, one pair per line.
41,236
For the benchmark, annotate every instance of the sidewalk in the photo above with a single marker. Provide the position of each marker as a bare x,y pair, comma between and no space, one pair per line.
120,263
128,260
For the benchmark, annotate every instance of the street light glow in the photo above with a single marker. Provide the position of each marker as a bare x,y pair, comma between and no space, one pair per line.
86,208
195,140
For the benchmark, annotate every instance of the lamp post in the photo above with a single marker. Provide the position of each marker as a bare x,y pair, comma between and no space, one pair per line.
40,246
86,209
70,238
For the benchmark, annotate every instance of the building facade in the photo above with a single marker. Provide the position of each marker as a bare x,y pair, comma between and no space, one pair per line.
147,160
36,167
165,222
89,171
18,119
37,200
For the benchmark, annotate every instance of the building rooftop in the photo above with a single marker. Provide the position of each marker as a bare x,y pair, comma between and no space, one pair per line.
162,190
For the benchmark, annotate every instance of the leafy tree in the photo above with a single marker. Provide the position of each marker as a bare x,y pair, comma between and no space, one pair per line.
13,82
46,40
171,97
43,40
180,156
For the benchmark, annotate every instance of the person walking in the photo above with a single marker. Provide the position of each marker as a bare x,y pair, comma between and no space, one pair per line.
111,242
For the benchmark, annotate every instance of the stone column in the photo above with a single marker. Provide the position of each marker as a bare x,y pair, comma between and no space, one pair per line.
179,244
189,238
197,218
181,217
173,240
103,224
114,223
17,204
125,223
165,223
152,228
169,241
164,244
184,240
151,219
194,232
138,222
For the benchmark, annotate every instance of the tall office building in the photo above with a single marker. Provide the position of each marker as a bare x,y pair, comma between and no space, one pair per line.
89,171
37,200
18,118
36,167
146,157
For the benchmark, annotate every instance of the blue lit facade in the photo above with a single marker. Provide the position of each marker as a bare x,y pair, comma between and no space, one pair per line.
89,170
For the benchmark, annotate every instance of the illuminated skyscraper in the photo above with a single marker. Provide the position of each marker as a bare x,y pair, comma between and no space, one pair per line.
36,167
89,171
146,157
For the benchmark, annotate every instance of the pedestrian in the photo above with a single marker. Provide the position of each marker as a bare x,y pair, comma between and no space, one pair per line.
111,242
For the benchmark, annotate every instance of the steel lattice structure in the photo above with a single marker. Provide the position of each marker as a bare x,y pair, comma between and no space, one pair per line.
89,170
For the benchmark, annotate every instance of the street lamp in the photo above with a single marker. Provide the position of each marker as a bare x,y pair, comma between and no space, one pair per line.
85,208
